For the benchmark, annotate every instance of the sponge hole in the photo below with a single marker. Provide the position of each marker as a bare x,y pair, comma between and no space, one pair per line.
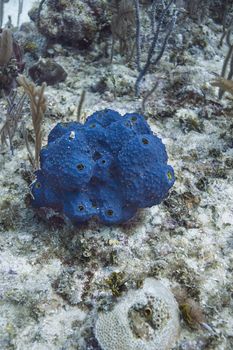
81,207
96,156
145,141
80,166
109,212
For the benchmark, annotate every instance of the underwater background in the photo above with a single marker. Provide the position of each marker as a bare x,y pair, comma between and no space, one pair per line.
116,169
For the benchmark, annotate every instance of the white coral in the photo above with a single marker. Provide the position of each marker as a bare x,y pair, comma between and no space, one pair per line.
145,319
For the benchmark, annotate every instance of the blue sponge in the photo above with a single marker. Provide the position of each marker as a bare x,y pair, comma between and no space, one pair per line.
107,168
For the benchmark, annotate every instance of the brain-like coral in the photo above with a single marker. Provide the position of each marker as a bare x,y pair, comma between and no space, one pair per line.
145,319
107,168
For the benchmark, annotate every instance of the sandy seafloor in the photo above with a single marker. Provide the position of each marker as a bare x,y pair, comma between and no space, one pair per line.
53,279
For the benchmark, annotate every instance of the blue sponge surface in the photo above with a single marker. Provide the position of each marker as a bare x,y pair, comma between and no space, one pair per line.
107,168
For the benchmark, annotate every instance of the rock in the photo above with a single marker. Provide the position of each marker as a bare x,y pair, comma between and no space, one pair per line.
47,70
71,22
145,319
32,43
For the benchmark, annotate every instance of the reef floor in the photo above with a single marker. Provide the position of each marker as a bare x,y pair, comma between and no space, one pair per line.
54,280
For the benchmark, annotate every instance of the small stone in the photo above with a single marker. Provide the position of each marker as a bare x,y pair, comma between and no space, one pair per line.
48,71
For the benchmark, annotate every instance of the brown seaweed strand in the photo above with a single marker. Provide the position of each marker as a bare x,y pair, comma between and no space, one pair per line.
38,108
